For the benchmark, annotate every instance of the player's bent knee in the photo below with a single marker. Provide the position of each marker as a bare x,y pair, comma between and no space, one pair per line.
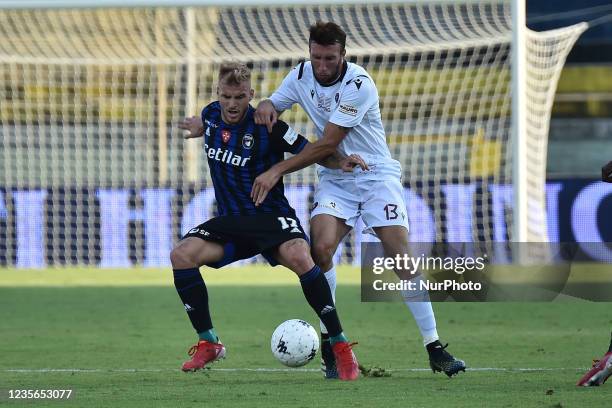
296,256
301,262
193,252
181,258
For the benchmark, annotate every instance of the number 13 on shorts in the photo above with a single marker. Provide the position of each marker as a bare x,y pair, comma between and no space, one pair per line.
391,211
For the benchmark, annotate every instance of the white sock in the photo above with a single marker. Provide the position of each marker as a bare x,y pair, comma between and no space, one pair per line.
420,306
331,280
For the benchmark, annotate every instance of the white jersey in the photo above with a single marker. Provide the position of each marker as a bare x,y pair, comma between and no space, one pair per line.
352,102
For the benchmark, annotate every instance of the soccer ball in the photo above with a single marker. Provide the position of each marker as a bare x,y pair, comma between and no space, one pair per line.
294,343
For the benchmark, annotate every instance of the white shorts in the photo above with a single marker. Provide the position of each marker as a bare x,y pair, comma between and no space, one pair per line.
377,196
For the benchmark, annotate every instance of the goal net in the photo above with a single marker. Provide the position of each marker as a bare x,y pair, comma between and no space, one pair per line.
93,169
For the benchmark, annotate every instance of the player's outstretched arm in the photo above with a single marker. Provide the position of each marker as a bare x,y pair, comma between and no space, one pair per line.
193,125
312,153
606,173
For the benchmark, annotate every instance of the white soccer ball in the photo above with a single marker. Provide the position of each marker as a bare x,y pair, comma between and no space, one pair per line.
294,343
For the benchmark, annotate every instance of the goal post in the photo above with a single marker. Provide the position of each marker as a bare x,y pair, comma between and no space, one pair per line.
93,169
518,135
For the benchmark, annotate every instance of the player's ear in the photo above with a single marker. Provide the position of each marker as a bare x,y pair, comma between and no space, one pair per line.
343,52
251,94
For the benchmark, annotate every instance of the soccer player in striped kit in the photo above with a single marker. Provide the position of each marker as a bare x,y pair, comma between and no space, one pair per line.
238,151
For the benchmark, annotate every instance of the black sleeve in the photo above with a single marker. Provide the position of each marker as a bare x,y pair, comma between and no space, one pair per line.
284,139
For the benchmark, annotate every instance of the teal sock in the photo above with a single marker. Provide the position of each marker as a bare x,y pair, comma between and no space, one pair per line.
336,339
209,335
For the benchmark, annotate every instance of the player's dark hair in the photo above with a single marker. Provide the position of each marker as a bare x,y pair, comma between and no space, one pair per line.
327,33
234,73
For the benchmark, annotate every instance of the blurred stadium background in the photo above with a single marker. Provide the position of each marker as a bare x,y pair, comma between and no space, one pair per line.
95,172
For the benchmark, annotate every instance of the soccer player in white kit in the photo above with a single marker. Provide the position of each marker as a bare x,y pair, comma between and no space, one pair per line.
342,101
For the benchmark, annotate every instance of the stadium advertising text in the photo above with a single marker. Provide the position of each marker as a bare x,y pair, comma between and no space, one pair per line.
119,227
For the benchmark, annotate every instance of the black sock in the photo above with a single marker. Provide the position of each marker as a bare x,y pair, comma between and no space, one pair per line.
326,349
319,297
192,291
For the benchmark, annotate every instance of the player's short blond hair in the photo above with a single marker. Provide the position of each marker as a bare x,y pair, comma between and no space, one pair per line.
234,73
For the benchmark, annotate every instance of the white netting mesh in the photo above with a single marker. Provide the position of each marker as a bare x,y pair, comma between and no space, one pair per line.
90,100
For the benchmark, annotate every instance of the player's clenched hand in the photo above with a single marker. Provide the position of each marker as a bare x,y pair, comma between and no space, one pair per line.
193,125
266,114
349,163
606,173
263,184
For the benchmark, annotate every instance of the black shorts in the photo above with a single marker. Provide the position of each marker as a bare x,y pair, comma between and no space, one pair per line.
244,236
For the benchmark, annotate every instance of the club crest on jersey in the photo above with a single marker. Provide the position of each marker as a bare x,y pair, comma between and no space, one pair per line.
226,135
247,141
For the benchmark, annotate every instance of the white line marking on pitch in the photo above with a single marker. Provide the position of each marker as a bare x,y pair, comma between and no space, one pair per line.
264,370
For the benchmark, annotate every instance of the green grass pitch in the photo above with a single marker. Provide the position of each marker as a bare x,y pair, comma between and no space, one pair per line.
118,337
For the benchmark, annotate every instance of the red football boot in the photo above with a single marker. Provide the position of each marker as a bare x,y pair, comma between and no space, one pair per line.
203,353
346,363
602,369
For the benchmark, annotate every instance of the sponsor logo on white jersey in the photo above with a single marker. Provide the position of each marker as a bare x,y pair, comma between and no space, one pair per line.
348,109
324,103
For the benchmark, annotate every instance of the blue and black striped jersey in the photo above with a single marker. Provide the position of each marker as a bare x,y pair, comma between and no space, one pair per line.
237,154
